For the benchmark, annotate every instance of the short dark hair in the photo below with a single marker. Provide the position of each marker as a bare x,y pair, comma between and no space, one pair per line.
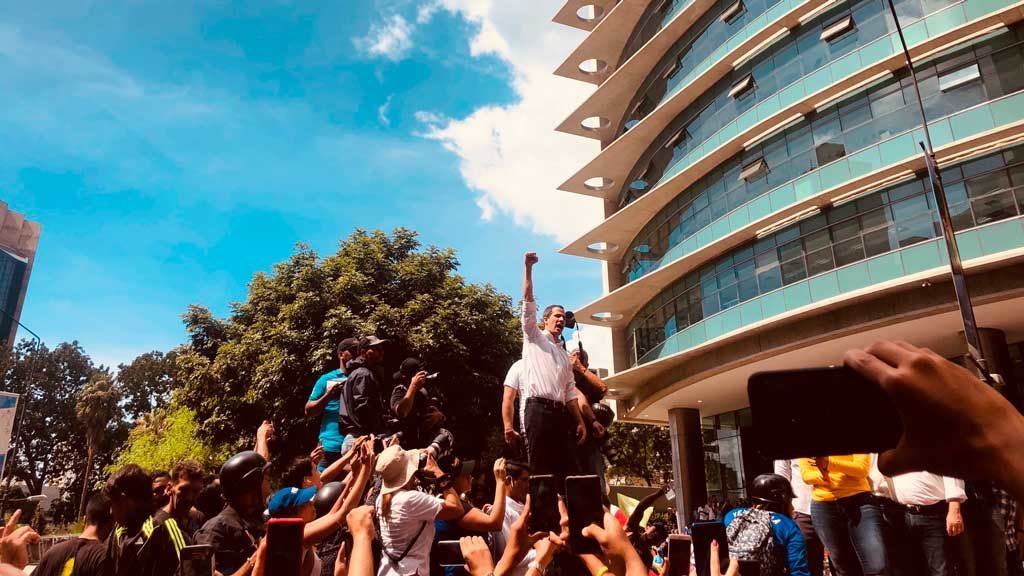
158,474
97,511
187,469
297,472
132,482
549,308
516,469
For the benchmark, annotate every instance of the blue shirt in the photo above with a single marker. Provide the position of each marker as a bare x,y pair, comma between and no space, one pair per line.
787,537
330,435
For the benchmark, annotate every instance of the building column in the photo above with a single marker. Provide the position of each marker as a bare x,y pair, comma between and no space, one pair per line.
997,355
687,462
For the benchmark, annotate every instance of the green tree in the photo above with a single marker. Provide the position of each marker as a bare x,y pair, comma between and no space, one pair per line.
642,453
146,383
97,409
261,360
49,450
166,436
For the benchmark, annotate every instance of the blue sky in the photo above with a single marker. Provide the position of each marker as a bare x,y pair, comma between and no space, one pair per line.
170,150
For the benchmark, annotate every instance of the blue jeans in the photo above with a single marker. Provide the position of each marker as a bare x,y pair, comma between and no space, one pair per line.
916,540
329,458
851,530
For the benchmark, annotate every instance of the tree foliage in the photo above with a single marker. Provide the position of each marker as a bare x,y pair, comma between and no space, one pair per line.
642,453
52,440
146,383
98,409
166,436
261,361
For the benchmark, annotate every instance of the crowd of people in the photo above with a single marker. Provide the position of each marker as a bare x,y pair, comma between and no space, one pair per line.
382,488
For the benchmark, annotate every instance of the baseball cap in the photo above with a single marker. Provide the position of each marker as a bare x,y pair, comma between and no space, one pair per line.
349,344
287,500
370,342
410,366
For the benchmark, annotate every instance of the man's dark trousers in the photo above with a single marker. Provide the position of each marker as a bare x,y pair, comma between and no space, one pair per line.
549,439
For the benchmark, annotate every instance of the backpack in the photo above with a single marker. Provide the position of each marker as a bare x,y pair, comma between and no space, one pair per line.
752,539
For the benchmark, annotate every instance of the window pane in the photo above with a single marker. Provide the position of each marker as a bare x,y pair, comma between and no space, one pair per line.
849,251
769,279
728,297
994,207
877,242
793,271
820,261
747,289
791,250
915,230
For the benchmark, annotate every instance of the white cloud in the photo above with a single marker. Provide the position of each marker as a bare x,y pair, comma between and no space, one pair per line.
382,111
511,154
391,39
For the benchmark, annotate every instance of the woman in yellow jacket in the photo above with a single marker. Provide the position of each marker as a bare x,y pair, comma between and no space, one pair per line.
845,514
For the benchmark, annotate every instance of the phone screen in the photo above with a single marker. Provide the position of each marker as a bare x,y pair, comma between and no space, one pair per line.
544,514
449,553
820,411
284,546
703,534
583,500
197,560
678,555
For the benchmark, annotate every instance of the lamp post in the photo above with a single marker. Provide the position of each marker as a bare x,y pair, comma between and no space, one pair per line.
963,297
12,451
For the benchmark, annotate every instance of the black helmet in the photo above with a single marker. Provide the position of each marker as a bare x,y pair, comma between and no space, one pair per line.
326,497
772,490
243,471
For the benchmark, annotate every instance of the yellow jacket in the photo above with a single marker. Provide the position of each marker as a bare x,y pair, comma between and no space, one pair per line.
847,475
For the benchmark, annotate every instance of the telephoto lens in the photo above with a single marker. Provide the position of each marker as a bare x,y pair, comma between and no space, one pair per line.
442,444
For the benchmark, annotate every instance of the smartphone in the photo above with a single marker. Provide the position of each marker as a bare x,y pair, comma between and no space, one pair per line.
704,533
544,514
820,411
197,560
378,444
449,554
583,500
284,546
670,495
678,555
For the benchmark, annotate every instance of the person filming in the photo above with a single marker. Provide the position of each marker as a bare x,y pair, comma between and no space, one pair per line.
551,406
419,417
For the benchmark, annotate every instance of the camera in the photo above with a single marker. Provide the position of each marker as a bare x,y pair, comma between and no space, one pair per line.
441,445
570,319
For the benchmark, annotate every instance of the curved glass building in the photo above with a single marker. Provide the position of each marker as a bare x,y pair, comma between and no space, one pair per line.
766,204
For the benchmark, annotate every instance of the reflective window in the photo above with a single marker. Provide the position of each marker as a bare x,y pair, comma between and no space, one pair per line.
881,222
832,133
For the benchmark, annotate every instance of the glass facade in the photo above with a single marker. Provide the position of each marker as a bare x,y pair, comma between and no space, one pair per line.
724,454
798,54
834,132
981,191
12,275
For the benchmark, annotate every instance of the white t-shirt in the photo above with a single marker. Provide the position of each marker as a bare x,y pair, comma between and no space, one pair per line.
410,509
790,470
513,511
547,371
514,380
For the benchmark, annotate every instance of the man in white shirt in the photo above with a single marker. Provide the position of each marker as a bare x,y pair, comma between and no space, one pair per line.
550,403
790,470
510,395
920,510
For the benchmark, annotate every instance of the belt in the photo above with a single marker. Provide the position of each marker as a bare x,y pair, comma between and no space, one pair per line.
938,507
546,402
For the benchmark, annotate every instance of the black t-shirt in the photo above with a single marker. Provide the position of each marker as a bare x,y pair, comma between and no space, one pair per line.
89,557
151,552
188,527
414,433
233,538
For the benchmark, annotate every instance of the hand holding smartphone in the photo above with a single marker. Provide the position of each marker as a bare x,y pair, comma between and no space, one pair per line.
197,560
583,501
678,555
544,514
810,412
284,546
704,533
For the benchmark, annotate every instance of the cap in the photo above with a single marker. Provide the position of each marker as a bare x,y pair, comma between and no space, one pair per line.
350,345
287,500
409,366
370,342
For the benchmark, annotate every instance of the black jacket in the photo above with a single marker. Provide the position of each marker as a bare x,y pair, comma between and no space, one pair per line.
234,539
362,410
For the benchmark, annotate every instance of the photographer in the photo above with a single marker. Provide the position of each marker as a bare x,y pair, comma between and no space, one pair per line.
418,415
406,514
591,390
